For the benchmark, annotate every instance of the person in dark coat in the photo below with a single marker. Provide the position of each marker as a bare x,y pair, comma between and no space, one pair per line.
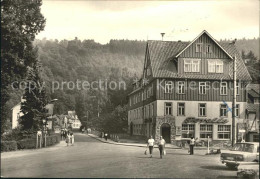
106,135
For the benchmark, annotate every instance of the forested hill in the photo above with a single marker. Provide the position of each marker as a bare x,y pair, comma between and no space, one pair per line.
119,60
90,61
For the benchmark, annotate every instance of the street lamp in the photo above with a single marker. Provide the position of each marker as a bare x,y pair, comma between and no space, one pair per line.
45,119
45,130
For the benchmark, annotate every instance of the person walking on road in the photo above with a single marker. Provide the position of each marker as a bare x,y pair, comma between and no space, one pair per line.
72,138
106,136
161,145
150,144
68,138
192,143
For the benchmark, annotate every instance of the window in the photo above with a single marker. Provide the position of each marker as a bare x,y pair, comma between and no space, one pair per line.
224,131
215,66
202,109
181,87
199,47
205,131
168,108
223,88
144,112
202,87
256,139
238,87
168,87
152,110
144,94
192,65
256,101
219,67
148,111
130,101
181,109
211,66
148,71
237,112
208,48
223,110
195,66
188,130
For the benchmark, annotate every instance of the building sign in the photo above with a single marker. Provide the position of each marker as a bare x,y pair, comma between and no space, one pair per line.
178,130
205,120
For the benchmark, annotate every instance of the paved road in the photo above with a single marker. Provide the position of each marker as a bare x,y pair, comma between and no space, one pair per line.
92,158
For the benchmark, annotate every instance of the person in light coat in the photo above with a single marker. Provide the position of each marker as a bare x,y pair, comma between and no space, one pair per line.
161,145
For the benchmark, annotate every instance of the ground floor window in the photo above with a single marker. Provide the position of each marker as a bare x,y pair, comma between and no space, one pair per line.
205,131
188,130
224,131
256,138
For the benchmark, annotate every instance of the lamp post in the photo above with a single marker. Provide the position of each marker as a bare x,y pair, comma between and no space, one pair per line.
45,121
45,130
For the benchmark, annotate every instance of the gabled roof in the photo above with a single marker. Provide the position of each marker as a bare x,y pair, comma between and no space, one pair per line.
205,32
254,90
163,53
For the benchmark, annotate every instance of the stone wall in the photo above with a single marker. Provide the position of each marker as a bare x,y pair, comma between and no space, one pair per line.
168,120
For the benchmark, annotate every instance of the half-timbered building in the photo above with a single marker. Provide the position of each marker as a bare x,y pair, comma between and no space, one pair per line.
187,89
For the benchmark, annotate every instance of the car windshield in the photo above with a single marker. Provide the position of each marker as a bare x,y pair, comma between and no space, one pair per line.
244,147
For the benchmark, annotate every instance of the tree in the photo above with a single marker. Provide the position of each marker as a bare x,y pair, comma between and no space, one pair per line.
33,108
21,20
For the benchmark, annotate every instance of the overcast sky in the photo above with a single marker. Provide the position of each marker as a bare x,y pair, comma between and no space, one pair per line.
142,20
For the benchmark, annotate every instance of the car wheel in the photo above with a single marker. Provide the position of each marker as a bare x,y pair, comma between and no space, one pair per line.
232,166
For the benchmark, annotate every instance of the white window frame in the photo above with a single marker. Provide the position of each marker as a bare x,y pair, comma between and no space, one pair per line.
223,88
202,87
208,48
224,129
223,110
181,85
237,88
152,106
211,66
215,66
203,109
198,47
206,129
219,66
237,110
181,109
168,87
168,109
188,130
191,65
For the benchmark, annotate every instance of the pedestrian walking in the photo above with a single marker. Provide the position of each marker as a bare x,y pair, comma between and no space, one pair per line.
106,135
68,138
161,145
61,134
192,143
150,144
72,138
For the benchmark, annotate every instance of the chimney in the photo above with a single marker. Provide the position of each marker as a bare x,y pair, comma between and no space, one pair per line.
162,35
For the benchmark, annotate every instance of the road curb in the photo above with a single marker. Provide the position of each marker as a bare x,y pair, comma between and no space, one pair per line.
125,144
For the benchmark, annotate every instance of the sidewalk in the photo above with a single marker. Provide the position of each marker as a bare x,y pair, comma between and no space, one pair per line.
167,146
20,153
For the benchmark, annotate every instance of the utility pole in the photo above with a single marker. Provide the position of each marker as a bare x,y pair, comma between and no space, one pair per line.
234,103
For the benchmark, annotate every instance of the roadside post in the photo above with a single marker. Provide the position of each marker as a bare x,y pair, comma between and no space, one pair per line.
208,144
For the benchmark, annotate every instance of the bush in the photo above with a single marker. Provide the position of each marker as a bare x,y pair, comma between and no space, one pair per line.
26,144
8,146
53,139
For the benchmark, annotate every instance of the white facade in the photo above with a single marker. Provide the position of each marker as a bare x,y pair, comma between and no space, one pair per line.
16,114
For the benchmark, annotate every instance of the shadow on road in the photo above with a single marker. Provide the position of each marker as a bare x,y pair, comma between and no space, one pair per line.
216,167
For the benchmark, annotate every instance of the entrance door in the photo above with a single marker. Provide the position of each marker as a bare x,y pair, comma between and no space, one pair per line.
131,129
166,132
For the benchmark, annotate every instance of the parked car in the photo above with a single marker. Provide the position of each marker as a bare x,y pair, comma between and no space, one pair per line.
241,153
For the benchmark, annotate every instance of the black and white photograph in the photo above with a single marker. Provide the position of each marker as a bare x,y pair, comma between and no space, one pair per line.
130,89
